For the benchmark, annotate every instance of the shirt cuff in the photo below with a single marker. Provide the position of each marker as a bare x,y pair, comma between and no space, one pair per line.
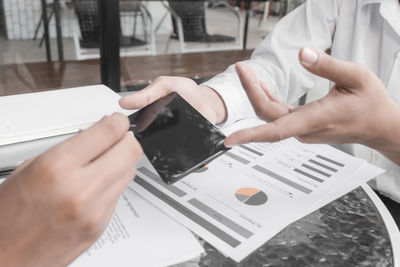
235,100
238,105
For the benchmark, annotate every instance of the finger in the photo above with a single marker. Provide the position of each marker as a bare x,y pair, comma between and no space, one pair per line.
271,96
298,123
24,165
275,97
109,167
162,86
344,74
265,108
251,84
91,143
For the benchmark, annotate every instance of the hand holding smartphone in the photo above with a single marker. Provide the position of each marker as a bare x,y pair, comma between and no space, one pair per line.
175,137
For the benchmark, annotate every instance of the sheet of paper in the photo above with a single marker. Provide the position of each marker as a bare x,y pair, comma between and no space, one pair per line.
246,196
360,177
50,113
140,235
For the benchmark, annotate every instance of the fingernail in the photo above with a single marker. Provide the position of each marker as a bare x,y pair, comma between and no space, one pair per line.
309,56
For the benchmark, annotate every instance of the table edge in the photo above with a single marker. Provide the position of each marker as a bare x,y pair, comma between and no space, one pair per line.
391,226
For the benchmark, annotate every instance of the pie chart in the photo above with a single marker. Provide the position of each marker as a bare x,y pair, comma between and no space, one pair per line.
251,196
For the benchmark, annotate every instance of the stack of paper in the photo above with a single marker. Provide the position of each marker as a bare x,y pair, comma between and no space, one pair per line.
37,115
249,194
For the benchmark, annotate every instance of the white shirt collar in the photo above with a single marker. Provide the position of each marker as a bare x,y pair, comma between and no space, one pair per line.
390,11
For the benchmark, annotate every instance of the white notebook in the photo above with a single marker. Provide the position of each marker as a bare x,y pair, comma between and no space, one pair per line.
32,116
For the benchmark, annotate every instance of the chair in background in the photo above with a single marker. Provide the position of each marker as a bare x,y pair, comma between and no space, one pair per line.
65,4
266,10
135,9
189,26
50,8
285,6
87,31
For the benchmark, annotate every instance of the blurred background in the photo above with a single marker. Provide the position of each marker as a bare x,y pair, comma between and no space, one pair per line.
51,44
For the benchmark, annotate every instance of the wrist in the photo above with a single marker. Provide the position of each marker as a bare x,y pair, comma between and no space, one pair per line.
387,139
216,103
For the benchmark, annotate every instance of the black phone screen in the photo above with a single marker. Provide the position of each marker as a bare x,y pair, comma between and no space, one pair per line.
175,137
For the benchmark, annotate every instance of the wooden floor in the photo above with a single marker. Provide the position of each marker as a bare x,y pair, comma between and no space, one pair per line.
35,77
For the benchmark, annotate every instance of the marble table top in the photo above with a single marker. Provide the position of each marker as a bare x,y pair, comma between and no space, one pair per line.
347,232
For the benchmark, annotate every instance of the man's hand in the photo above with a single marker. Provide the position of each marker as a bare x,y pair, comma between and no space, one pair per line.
204,99
356,110
56,205
266,104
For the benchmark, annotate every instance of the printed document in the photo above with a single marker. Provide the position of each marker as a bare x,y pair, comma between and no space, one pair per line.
140,235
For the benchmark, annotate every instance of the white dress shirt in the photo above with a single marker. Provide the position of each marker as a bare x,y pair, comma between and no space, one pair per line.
364,31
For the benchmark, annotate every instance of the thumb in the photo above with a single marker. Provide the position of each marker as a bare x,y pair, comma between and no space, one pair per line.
343,73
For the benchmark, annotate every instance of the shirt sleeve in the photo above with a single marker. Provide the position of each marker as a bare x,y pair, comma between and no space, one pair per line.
275,60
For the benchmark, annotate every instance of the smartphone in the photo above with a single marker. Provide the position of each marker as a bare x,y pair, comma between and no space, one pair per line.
175,137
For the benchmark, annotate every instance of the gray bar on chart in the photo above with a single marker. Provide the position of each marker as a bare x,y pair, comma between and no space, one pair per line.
236,157
309,175
188,213
252,150
221,218
282,179
331,161
316,170
323,165
156,178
